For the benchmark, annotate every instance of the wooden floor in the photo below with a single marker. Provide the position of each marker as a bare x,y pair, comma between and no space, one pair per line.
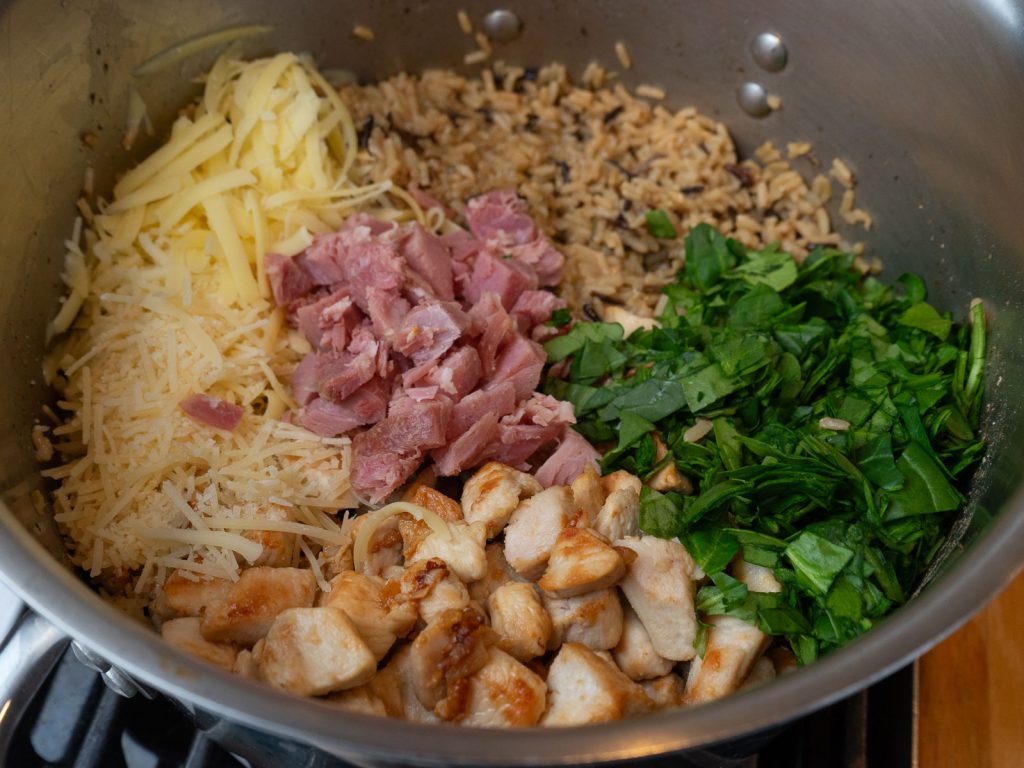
971,691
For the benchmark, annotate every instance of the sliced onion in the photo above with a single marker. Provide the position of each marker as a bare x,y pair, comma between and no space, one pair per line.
378,516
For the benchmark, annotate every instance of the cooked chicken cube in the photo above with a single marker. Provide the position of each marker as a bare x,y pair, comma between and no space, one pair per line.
668,478
593,619
619,516
588,493
412,584
756,577
335,558
492,494
385,547
461,548
504,694
445,507
245,665
498,572
659,585
763,671
313,651
448,592
629,321
187,596
394,686
361,597
444,654
584,688
184,634
278,548
581,561
533,529
254,601
519,619
732,648
635,654
360,699
666,692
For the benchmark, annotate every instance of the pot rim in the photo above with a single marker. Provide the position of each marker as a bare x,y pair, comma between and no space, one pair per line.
61,597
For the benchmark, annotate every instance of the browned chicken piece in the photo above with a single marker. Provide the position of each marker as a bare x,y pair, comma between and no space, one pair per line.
630,321
461,547
385,547
635,654
756,577
313,651
581,561
619,515
413,532
668,478
245,614
666,692
588,493
732,648
444,654
415,582
394,686
361,699
585,688
379,622
448,592
533,529
445,507
519,619
190,597
492,494
246,666
659,585
504,694
335,558
498,572
782,659
593,619
278,548
185,635
763,671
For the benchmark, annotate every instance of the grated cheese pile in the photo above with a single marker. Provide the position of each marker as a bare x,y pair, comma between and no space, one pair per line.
168,297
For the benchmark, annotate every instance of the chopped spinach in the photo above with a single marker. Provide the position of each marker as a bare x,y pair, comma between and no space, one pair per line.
765,347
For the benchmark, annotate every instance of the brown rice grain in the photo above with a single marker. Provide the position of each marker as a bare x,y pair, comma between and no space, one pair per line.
464,23
842,173
795,149
362,32
483,42
475,57
622,53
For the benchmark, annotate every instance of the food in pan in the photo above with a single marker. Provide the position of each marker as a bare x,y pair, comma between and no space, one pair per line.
450,399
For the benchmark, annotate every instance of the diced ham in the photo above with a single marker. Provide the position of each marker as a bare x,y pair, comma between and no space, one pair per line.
386,310
521,362
504,276
212,411
494,325
427,254
322,260
430,330
376,470
340,375
500,215
498,401
462,246
458,373
518,442
367,406
573,455
370,264
535,307
372,223
418,425
467,450
543,410
546,260
330,321
304,380
288,280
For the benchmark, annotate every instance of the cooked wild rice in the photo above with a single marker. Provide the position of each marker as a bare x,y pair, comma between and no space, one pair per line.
591,160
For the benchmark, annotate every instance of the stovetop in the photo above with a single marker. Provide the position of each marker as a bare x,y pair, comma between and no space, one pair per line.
75,721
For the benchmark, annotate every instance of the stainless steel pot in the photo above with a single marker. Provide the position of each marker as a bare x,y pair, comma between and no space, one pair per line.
924,98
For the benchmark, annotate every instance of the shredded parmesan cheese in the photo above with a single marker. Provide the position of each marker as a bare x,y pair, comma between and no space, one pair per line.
378,516
167,297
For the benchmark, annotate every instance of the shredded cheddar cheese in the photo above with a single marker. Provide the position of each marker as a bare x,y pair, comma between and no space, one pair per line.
166,297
